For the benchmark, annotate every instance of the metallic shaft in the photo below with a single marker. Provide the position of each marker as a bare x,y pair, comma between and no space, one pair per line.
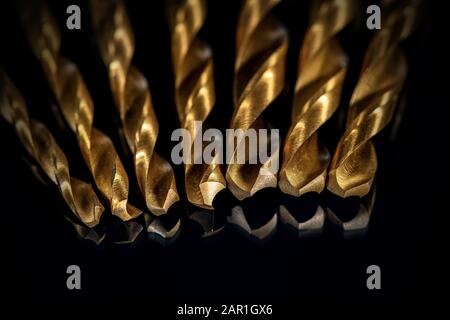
40,144
78,109
131,93
194,94
372,105
321,72
261,47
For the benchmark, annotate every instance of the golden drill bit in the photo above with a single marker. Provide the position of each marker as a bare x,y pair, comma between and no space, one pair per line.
40,144
77,107
131,93
261,46
195,95
321,72
372,105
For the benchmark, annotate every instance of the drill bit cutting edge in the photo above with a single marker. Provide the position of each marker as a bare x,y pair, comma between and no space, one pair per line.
372,105
321,72
77,107
261,46
40,144
132,96
194,94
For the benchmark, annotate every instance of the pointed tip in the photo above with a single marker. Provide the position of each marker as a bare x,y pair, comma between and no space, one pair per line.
126,213
94,219
335,187
170,199
315,185
266,180
209,190
238,192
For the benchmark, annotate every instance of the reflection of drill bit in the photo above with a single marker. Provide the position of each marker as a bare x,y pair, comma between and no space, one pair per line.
353,218
372,104
322,69
77,107
132,96
195,96
40,144
259,78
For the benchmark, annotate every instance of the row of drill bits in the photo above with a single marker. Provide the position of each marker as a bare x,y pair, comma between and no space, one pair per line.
259,78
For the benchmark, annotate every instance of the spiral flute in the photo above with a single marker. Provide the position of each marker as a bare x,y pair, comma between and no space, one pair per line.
195,95
40,144
372,105
322,69
131,93
77,107
261,46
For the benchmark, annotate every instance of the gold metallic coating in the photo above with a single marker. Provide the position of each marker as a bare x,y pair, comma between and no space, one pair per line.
261,46
321,72
77,107
40,144
372,105
195,95
131,93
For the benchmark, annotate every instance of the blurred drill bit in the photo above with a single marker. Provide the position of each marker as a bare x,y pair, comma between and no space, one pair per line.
321,72
40,144
195,95
259,78
77,107
131,93
373,103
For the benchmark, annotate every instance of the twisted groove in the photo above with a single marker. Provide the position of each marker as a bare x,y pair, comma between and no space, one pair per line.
194,94
131,93
40,144
372,104
259,78
322,69
76,105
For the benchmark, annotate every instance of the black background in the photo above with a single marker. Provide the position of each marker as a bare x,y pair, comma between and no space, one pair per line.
228,268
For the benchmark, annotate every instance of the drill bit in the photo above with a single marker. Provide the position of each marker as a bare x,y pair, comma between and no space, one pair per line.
195,95
261,46
40,144
77,108
132,96
321,72
372,105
